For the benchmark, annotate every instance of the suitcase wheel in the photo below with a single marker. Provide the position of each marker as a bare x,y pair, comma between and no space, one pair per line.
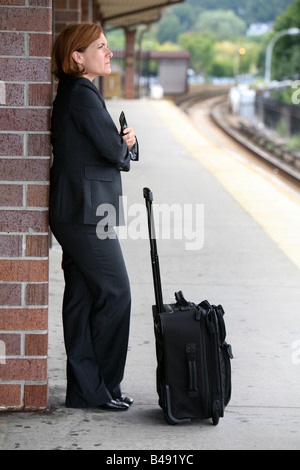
215,412
215,418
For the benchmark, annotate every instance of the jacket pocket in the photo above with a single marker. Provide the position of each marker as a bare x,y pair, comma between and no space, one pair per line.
98,173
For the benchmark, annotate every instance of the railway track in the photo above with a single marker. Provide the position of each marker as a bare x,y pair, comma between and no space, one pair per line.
211,115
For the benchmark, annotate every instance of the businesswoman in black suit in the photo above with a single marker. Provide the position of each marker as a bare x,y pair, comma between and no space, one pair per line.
89,154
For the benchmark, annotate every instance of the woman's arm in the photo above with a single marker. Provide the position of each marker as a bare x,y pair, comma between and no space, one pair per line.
94,120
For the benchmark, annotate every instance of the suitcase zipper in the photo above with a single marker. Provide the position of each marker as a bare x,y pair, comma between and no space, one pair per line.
217,395
204,375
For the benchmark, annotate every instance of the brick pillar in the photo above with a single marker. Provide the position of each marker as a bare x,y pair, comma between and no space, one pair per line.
66,11
86,10
25,99
129,92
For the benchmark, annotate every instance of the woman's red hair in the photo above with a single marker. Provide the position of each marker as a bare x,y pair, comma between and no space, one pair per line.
74,37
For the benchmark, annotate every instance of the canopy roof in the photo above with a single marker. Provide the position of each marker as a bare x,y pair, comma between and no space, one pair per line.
131,13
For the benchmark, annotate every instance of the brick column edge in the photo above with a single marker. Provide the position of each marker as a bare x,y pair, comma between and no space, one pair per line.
25,104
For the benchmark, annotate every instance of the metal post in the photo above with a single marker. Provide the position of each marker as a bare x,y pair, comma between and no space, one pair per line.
270,47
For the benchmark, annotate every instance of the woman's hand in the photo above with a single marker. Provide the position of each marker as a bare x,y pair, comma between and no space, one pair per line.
129,137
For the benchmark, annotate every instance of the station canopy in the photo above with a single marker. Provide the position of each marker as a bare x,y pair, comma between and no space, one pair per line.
131,13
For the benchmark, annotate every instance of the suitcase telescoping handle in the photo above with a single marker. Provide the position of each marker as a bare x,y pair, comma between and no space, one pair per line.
153,251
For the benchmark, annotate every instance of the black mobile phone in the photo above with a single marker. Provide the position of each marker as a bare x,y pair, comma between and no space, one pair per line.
123,122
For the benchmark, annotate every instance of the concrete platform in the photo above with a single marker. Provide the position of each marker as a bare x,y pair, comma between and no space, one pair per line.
247,259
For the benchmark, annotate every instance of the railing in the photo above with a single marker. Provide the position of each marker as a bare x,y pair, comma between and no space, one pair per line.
275,115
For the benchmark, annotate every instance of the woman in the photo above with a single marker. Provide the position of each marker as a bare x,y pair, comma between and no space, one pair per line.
89,154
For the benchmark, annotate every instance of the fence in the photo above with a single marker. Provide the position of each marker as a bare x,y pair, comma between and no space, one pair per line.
276,115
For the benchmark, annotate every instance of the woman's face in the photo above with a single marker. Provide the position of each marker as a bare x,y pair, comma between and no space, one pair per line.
95,59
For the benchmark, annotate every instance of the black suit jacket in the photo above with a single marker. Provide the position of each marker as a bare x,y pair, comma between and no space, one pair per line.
89,154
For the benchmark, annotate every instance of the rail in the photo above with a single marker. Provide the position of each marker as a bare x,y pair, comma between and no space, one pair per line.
265,147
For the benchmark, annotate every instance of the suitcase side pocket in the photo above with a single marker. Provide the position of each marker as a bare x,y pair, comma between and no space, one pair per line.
226,355
217,407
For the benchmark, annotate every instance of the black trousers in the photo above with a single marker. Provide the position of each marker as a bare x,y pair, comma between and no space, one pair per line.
96,314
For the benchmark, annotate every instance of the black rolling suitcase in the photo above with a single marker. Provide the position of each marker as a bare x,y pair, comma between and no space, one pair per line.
193,376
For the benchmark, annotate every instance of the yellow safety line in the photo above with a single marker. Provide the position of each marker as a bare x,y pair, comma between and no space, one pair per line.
271,205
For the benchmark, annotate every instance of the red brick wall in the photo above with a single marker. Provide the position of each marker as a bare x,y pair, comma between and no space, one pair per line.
25,99
66,11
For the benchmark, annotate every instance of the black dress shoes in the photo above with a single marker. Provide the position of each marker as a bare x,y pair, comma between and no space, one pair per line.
114,405
124,399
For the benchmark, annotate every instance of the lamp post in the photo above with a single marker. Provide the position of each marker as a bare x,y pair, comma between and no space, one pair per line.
290,31
237,53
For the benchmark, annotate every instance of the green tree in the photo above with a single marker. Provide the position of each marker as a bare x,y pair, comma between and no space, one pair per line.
250,11
235,57
222,67
224,24
116,39
168,28
286,52
201,48
263,11
186,15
